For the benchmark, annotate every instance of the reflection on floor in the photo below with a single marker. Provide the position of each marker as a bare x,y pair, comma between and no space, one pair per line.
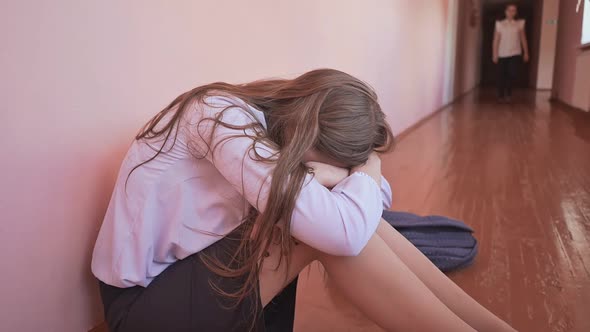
519,174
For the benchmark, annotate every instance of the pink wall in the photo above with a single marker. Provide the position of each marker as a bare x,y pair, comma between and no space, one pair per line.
79,78
571,80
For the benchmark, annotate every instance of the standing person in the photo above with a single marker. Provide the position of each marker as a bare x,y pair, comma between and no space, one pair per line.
231,190
509,43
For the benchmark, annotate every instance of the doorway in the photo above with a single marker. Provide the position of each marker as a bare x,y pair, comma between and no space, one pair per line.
492,11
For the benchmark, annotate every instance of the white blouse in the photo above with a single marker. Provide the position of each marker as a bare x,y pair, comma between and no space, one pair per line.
509,31
177,205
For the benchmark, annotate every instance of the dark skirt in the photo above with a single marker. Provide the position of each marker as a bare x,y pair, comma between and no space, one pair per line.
181,299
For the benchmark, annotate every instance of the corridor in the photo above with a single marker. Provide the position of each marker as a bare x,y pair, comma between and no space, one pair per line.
519,174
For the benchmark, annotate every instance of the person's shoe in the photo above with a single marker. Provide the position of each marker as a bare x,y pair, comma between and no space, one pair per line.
508,99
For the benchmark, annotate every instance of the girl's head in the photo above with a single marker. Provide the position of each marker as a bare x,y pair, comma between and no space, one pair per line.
325,114
511,11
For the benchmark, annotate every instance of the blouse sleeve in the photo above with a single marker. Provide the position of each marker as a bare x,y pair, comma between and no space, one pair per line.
522,24
338,222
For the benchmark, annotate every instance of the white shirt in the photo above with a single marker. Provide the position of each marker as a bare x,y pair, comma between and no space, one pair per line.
177,205
509,31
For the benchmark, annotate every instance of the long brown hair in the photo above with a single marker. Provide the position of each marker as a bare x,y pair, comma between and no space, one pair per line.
324,109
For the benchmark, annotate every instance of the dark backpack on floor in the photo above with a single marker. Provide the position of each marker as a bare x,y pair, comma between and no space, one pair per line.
448,243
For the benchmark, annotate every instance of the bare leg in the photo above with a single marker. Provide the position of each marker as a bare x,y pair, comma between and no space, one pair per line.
377,282
273,280
444,288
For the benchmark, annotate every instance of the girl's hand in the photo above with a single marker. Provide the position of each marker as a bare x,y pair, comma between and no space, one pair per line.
526,57
372,167
327,175
495,59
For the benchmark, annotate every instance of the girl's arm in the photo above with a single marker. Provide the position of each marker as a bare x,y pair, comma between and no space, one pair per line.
329,176
338,221
524,43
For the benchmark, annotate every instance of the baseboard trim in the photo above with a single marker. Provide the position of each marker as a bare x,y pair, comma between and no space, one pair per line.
430,115
567,105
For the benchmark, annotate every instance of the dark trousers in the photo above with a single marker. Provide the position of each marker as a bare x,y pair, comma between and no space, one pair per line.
507,71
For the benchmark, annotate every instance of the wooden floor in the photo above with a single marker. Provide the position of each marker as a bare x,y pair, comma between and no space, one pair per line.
519,174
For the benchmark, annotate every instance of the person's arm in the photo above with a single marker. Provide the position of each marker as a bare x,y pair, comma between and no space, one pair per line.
524,43
372,167
338,221
329,176
496,43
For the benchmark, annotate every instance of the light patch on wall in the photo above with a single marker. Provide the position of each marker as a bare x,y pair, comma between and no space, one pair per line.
586,23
